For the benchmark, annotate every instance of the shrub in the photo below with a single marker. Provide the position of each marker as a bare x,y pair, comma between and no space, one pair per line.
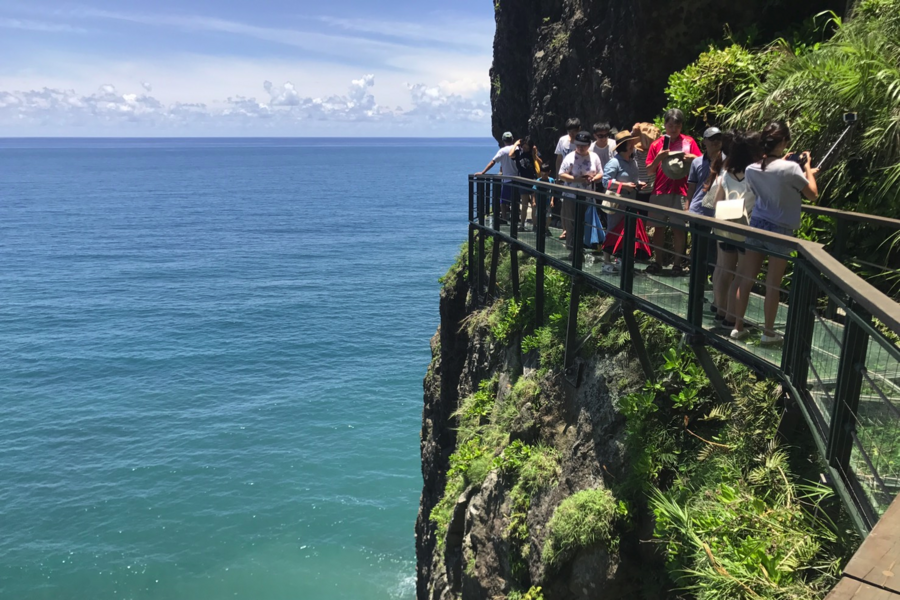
581,520
705,87
534,593
856,70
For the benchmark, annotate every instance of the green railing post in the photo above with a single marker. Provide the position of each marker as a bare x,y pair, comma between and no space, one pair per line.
495,250
575,293
847,388
626,265
578,231
514,234
798,331
697,286
481,205
540,226
470,256
572,324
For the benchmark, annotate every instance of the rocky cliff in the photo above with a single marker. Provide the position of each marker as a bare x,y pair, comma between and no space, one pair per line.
538,487
479,555
608,60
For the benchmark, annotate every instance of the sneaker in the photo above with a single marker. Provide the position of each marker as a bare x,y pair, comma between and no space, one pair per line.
771,340
653,269
528,225
739,335
610,268
547,233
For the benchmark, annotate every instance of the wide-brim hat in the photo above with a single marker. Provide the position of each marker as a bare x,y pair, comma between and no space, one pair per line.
675,166
623,137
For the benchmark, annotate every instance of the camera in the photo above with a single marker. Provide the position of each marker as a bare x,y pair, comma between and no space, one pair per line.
850,118
796,157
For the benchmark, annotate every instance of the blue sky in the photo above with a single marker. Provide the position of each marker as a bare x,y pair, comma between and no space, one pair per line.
197,67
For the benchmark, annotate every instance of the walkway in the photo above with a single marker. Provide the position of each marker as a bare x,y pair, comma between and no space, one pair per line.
874,571
837,362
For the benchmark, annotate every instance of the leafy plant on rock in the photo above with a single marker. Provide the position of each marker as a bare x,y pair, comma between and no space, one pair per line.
581,520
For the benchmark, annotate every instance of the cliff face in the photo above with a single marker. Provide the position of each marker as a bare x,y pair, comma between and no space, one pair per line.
607,60
478,557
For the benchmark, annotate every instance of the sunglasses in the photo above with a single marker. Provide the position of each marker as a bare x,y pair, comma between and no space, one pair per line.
602,135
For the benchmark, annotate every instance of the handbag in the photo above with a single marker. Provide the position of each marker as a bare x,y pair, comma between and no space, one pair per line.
732,211
709,199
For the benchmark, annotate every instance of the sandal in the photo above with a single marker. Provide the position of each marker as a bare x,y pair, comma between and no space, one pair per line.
679,270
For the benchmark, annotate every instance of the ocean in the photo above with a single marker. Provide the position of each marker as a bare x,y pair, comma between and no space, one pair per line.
211,362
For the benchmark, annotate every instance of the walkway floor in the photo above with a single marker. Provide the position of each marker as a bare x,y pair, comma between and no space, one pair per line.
874,571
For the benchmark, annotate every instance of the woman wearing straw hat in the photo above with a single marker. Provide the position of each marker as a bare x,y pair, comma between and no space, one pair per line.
620,177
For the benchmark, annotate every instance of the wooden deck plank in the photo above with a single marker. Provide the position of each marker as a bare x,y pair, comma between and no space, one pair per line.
878,559
850,589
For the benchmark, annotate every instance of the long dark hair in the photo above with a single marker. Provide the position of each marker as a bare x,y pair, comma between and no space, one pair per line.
534,151
773,134
745,150
714,171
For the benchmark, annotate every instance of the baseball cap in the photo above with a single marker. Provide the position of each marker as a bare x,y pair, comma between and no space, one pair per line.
710,132
583,138
507,136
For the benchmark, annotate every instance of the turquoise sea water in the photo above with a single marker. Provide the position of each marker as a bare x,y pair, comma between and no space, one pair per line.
211,355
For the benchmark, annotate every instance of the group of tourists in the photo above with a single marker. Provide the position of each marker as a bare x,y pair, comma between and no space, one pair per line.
739,177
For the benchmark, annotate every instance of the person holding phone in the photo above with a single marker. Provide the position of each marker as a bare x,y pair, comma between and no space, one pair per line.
579,169
780,186
671,186
524,154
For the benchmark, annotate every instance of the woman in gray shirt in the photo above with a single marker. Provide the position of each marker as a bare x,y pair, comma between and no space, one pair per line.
780,186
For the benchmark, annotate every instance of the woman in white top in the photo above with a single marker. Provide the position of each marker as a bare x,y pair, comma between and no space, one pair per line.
780,186
732,185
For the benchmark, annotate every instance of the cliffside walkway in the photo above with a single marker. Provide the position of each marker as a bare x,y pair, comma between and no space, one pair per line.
839,363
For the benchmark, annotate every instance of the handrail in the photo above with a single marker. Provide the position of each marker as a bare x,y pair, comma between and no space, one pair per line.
846,215
829,356
876,302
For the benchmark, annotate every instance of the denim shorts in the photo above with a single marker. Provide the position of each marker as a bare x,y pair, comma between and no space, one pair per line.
765,246
506,192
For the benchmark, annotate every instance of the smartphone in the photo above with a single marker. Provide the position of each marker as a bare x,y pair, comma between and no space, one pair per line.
666,140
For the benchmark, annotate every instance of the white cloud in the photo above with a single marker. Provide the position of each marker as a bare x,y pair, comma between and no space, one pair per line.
42,26
437,104
49,111
446,30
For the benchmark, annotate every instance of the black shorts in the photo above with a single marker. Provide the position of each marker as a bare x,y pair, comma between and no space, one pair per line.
730,248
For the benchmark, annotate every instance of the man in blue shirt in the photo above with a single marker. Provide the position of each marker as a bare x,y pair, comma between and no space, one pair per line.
712,149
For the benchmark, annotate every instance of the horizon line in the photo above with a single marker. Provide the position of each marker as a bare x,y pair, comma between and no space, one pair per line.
233,137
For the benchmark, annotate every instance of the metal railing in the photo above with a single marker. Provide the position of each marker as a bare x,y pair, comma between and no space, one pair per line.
837,359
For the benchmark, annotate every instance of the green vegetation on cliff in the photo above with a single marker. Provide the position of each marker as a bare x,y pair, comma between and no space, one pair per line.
735,513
